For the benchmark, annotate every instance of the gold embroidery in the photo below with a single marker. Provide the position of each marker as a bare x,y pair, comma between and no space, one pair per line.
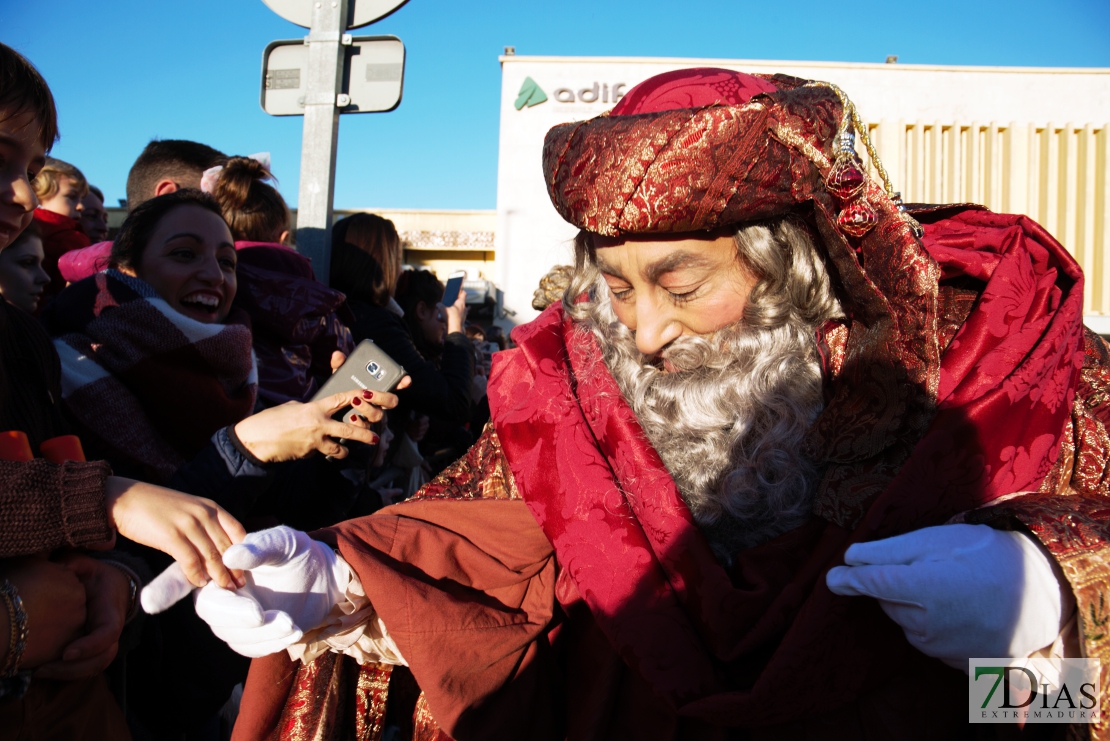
424,726
371,694
794,140
482,473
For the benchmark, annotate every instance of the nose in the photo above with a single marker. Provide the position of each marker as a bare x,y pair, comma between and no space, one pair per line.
655,327
23,195
211,272
41,277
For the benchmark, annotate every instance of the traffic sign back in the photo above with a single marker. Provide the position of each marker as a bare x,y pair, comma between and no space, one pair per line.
360,12
373,77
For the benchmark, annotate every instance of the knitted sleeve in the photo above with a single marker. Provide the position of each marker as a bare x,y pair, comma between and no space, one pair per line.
44,506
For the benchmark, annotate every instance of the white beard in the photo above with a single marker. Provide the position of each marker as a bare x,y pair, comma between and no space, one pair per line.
730,424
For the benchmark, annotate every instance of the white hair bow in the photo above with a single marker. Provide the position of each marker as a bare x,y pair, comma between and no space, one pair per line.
212,175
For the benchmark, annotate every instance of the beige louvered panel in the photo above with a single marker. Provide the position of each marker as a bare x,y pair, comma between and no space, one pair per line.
1057,174
1101,215
935,159
951,137
1084,242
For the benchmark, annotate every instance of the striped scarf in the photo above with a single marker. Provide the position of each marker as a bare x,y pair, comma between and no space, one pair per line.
145,385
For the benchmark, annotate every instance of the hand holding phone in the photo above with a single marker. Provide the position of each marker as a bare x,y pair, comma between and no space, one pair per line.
456,309
368,368
454,285
292,431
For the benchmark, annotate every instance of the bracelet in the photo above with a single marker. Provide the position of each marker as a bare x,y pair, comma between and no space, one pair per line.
18,623
132,585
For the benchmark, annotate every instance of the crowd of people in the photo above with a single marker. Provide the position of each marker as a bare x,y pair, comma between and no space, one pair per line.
184,353
780,457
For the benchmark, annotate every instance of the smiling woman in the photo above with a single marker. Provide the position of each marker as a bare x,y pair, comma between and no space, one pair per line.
157,333
183,248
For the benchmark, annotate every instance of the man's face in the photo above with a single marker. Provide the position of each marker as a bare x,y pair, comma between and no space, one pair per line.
21,157
663,289
94,217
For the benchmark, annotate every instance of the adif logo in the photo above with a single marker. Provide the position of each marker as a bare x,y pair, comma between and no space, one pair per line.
1034,691
593,94
530,94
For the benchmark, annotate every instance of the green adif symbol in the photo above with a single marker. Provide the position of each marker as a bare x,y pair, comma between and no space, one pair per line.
530,94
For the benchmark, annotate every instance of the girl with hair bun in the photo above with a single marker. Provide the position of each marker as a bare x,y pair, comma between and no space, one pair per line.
298,323
253,208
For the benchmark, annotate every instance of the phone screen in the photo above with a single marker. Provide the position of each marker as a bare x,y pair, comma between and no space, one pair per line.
451,292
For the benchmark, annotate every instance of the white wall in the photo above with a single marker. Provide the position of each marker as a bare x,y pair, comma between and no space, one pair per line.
531,237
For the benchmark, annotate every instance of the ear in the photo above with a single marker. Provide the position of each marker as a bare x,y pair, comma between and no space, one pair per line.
423,311
164,186
284,238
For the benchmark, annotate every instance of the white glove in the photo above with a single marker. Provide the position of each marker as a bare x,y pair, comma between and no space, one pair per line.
293,582
959,591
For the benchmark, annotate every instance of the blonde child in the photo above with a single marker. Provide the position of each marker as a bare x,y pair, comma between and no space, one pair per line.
59,187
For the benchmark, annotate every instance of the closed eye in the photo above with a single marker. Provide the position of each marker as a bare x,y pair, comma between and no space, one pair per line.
685,296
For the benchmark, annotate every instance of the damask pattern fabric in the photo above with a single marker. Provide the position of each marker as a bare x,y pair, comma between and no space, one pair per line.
1069,513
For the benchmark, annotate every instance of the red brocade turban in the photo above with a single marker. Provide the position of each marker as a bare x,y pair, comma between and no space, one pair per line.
697,149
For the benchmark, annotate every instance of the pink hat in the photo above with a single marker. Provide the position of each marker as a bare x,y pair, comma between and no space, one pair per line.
78,264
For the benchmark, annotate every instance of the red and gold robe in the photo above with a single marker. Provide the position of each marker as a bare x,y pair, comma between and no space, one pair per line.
552,583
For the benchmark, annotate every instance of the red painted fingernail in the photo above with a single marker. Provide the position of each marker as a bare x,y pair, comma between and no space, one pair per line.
356,401
367,395
375,440
354,418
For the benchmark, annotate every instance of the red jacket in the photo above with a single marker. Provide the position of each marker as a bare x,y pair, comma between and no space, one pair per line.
60,234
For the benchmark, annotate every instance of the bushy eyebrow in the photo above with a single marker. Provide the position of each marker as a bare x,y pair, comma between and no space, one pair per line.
675,261
607,269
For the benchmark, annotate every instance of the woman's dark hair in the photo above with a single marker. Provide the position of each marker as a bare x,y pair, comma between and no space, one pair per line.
253,208
414,287
22,90
137,229
365,257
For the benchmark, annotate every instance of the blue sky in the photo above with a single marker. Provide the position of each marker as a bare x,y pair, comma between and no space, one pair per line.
125,71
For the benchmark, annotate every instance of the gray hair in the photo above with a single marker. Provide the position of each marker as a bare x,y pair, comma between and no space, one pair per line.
732,428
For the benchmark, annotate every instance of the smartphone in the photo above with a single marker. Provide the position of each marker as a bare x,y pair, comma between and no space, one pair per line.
367,367
454,285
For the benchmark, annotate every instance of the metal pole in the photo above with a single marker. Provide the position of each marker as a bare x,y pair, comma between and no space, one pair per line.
326,56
